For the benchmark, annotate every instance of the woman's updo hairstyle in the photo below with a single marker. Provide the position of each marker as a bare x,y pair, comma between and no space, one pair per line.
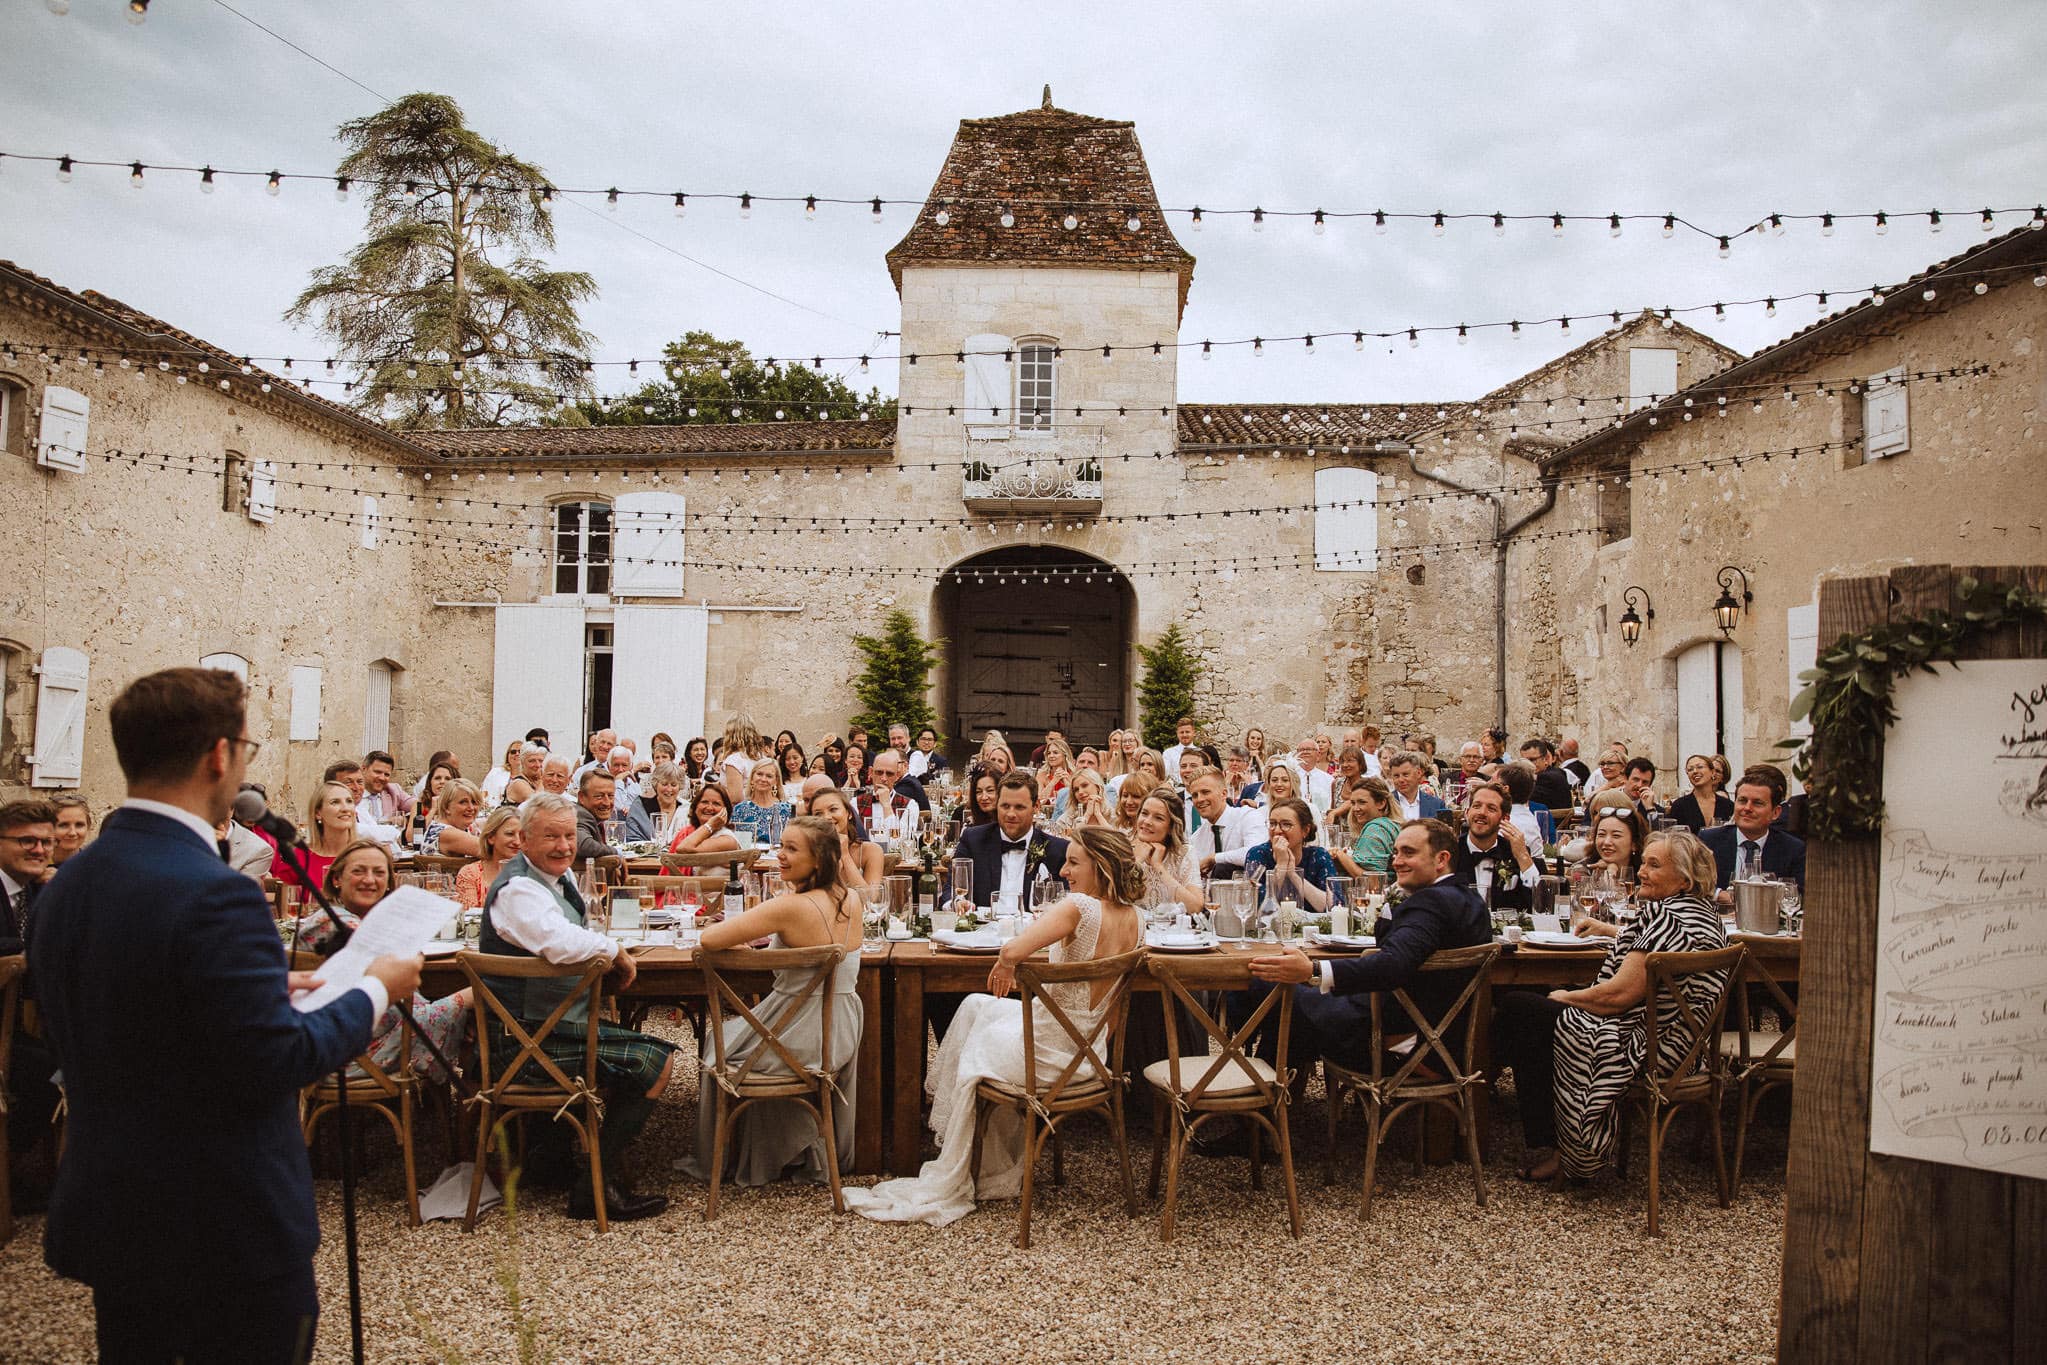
1109,852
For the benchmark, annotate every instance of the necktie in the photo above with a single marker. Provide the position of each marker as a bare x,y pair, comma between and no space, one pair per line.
1751,855
570,894
223,846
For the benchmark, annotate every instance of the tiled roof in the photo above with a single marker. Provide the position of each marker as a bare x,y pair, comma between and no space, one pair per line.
1044,165
179,346
1306,424
2010,254
873,436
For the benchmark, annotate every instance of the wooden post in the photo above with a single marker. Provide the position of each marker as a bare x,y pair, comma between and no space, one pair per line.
1888,1258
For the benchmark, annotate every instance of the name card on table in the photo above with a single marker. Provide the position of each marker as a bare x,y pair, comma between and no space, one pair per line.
1959,1053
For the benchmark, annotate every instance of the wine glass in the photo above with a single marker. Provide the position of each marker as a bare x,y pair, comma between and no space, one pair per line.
962,883
873,916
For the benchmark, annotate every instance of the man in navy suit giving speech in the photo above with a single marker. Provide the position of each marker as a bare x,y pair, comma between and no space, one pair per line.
184,1197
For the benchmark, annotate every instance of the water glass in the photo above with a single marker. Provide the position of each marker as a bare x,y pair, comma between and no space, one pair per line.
1792,904
873,917
962,882
611,828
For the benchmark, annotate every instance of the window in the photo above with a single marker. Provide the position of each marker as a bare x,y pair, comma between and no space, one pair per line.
596,678
376,707
1346,520
13,415
17,712
1036,372
988,399
1652,374
1886,428
59,759
262,491
305,703
234,467
647,531
582,548
60,441
1616,507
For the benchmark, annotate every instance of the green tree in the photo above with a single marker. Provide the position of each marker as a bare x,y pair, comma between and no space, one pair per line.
1171,670
712,380
892,689
445,302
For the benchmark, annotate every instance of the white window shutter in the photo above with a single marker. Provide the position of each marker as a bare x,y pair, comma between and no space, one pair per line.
657,669
1802,651
1346,519
647,544
305,702
262,491
59,759
372,522
1886,424
986,404
376,708
1652,375
537,672
61,442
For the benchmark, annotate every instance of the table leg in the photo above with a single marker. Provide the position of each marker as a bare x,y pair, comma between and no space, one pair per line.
868,1118
906,1080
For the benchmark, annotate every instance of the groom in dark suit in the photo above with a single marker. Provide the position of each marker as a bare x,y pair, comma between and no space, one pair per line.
1753,842
184,1198
1012,853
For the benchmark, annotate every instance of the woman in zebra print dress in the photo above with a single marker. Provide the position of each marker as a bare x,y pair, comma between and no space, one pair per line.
1569,1077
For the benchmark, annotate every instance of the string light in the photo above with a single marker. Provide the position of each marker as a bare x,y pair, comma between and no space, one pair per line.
135,175
274,184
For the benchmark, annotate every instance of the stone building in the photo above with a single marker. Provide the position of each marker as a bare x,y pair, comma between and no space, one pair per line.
1039,505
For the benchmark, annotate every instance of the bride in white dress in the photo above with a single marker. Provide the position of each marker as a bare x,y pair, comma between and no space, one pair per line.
986,1038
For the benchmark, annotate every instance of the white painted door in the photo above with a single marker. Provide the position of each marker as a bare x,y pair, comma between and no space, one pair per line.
1709,702
537,675
657,672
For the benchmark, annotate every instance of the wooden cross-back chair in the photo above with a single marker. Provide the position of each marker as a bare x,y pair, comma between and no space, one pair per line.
507,1090
391,1092
735,1086
1195,1089
1091,1081
1697,1080
12,969
1758,1060
1432,1074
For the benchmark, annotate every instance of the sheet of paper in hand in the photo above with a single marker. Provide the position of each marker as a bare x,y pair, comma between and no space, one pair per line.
402,923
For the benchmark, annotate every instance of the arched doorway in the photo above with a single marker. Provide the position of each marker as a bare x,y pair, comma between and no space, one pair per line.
1037,638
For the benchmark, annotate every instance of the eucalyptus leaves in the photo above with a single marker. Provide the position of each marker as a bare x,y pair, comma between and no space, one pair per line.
1848,697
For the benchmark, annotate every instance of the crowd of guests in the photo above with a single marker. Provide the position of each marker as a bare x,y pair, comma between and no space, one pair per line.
1127,826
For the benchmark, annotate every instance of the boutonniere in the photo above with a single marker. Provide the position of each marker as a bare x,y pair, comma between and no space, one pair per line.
1037,850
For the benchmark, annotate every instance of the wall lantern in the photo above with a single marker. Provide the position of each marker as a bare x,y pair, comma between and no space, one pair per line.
1631,621
1726,610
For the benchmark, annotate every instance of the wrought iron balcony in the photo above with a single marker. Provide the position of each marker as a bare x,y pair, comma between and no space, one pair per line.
1032,472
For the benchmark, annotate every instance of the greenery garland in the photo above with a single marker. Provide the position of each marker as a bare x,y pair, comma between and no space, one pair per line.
1848,697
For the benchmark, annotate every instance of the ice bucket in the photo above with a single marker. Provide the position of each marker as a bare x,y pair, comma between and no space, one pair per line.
1758,907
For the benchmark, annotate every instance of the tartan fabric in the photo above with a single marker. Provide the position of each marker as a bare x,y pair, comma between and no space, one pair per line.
626,1060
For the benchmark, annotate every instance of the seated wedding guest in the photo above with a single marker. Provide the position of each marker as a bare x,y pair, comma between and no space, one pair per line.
927,764
28,830
1639,780
1552,783
600,745
696,761
661,748
856,768
1495,843
1281,783
1407,772
497,779
525,782
1751,843
360,876
415,820
1575,1052
1171,879
330,827
348,773
554,775
857,734
1332,1008
500,842
1317,785
1147,762
1470,757
986,1042
861,860
708,829
1494,742
624,770
385,801
1613,764
794,766
1254,748
595,805
833,751
779,1139
1038,752
1618,837
1126,798
1185,737
533,908
1365,842
741,748
1191,763
889,773
1222,832
1090,758
1011,854
1289,865
74,827
998,760
763,805
662,813
447,833
1240,780
1534,821
1055,771
246,851
783,739
982,786
1084,804
1705,804
1575,768
1114,764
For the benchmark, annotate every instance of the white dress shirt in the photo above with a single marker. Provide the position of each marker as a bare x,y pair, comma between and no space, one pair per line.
1239,826
526,915
494,783
1013,872
368,826
1503,852
918,761
1741,841
1406,809
1172,758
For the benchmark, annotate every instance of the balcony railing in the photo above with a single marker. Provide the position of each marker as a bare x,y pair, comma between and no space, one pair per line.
1057,471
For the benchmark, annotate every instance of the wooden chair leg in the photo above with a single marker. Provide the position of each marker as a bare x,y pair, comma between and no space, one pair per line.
1257,1154
1031,1148
1286,1168
831,1145
484,1125
1721,1183
1058,1158
1469,1115
411,1166
1373,1134
1122,1135
1159,1120
1655,1136
1181,1134
1332,1100
593,1143
1745,1102
982,1111
720,1120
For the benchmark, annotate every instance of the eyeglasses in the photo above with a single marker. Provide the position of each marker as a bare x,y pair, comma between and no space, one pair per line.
30,840
254,745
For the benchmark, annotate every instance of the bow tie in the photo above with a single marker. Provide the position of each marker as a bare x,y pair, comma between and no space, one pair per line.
1008,843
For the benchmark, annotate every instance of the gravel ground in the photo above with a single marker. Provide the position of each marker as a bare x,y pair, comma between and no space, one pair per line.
1533,1276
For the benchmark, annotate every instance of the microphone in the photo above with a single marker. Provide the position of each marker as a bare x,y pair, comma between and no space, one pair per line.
253,812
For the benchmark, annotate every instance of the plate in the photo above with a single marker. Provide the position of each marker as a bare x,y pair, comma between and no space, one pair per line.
980,941
1179,941
443,948
1543,938
1344,943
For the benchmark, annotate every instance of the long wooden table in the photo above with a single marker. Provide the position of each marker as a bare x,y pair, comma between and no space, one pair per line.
672,974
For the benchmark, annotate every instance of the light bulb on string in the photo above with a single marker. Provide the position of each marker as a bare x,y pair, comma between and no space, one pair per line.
1463,335
611,199
1613,225
1989,220
1069,222
1826,225
138,10
1725,248
206,180
135,174
810,208
1883,223
1257,220
1414,338
1006,218
1776,225
942,217
876,215
1499,224
341,189
1556,225
1321,223
1436,227
64,169
1669,224
274,183
1933,221
1194,219
1379,222
746,205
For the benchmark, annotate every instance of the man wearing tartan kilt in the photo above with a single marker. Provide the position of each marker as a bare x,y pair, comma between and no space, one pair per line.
534,909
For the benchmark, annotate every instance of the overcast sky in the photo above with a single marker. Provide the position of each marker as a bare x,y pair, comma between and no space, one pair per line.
1721,114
